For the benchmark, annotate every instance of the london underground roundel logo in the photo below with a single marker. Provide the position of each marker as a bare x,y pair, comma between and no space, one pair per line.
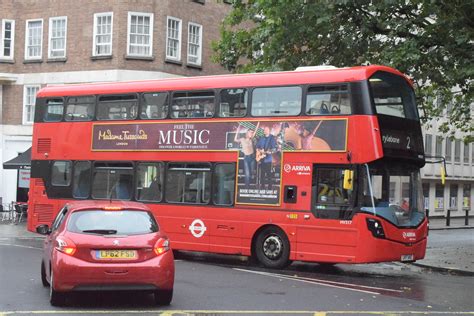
287,167
197,228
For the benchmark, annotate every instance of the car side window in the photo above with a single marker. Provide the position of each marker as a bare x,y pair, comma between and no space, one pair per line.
59,219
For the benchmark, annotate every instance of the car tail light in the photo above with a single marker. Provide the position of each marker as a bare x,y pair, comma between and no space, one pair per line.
65,245
162,246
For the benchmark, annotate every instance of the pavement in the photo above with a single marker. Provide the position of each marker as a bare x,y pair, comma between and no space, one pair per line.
450,248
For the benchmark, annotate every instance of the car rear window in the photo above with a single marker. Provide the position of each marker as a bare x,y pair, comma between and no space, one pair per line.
116,222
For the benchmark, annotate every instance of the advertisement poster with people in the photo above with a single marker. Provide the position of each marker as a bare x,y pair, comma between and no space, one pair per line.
260,145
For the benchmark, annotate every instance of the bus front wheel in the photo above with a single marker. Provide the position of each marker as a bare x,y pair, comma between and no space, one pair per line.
272,248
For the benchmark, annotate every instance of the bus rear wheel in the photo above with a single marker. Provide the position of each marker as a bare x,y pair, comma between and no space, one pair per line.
272,248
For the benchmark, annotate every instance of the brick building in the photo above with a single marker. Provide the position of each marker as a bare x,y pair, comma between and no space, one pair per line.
45,42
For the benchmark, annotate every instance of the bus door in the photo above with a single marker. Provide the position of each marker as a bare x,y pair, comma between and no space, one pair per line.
224,220
188,187
331,236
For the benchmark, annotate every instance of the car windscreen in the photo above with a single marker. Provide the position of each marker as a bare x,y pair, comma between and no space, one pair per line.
113,222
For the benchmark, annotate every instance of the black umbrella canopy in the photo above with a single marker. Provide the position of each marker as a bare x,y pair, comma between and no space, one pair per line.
22,161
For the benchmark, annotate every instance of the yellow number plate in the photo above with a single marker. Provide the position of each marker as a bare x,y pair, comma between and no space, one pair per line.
116,254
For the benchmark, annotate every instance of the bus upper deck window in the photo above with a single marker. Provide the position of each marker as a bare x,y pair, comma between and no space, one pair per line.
54,110
117,107
393,96
192,104
233,102
276,101
80,108
328,100
154,105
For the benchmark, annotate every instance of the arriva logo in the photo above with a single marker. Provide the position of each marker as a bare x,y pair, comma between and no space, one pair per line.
289,168
409,235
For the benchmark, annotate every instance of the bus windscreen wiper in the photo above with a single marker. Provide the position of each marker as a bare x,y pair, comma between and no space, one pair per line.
101,231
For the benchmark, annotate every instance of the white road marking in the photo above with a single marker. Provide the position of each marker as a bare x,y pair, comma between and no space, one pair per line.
21,246
310,281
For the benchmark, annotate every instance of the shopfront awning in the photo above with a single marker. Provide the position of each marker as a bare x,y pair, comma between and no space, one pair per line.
22,161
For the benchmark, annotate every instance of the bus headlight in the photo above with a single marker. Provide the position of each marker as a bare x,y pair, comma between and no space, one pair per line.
375,227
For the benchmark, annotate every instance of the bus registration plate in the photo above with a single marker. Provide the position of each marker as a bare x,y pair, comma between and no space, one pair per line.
405,258
116,254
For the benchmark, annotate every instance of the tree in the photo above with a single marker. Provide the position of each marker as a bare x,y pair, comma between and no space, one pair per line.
432,41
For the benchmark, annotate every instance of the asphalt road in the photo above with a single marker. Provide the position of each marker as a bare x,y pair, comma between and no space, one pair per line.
210,284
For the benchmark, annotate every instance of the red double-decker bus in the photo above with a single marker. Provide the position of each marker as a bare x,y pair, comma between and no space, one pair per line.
310,165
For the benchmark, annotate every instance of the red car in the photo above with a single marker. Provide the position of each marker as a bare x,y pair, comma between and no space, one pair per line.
102,245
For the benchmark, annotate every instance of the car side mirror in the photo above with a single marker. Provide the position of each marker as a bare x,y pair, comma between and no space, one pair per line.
43,229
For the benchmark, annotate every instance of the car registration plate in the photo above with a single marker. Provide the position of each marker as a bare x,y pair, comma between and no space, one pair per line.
405,258
116,254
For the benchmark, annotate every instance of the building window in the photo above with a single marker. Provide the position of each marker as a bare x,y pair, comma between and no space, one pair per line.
466,153
7,38
439,146
426,195
173,39
34,39
140,34
453,196
466,196
428,146
439,196
449,148
102,42
57,37
457,150
194,44
29,100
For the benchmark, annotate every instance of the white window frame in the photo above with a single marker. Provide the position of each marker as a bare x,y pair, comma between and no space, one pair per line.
27,33
199,55
129,27
94,40
12,39
25,120
178,57
50,36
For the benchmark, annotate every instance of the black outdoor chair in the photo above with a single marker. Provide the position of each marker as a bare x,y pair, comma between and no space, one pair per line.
20,211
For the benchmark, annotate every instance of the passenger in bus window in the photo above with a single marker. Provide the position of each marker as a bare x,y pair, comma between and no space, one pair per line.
266,146
122,187
247,148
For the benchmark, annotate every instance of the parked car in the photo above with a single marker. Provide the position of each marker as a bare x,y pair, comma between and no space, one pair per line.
102,245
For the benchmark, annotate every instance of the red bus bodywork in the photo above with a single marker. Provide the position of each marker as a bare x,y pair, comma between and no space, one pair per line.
233,230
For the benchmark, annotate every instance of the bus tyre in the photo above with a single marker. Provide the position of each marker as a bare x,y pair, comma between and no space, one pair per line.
55,298
163,297
272,248
43,275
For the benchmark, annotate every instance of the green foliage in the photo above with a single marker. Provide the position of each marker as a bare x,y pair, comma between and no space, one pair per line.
432,41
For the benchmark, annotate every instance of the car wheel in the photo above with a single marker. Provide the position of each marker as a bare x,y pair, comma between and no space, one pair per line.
163,297
55,298
43,275
272,248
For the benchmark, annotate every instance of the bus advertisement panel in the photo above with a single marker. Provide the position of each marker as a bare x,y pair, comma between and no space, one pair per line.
261,145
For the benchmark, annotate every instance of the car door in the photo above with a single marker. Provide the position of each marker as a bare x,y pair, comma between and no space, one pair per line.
51,238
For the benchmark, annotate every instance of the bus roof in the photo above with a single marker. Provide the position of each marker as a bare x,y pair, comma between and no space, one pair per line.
221,81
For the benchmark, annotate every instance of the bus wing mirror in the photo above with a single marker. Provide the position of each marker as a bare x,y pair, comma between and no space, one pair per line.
348,179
